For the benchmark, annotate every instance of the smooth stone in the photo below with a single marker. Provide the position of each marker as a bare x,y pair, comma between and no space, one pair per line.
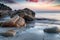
52,30
9,33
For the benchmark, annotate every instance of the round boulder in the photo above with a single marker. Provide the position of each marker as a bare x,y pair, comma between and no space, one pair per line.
52,30
29,12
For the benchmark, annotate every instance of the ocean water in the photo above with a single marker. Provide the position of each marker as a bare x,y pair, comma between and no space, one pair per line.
48,15
34,30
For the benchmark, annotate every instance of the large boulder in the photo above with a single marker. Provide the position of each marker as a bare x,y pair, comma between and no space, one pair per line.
16,21
26,13
9,33
52,30
20,22
29,12
28,18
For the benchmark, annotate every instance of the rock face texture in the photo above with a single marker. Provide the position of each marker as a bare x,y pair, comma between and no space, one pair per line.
4,7
29,12
16,21
4,10
52,30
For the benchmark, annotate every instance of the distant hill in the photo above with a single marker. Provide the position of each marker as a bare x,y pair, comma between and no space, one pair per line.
4,7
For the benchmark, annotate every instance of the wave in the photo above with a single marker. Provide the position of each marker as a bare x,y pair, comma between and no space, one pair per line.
48,21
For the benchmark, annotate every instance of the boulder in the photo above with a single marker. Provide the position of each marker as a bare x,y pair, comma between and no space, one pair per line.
4,7
28,18
4,13
9,33
52,30
29,12
26,13
16,21
21,13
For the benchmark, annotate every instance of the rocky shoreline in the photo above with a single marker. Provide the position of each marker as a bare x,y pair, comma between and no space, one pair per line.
18,18
23,15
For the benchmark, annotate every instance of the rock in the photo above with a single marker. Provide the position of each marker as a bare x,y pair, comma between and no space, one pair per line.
26,13
30,15
16,21
29,12
21,22
9,33
21,13
4,10
11,22
52,30
4,13
4,7
28,18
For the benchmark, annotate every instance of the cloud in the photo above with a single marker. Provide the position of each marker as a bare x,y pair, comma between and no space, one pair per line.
7,1
57,1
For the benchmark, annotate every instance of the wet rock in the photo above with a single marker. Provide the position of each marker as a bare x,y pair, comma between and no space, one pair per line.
28,18
52,30
20,22
29,12
21,13
4,13
4,10
9,33
12,13
26,13
4,7
16,21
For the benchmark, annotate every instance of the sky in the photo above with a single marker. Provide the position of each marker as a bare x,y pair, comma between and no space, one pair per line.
40,5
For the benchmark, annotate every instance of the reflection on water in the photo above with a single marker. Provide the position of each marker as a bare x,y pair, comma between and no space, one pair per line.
33,31
4,19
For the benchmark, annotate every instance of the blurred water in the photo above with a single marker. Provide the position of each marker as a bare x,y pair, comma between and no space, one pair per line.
34,31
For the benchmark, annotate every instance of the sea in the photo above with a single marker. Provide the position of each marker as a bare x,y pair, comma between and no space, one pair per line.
35,29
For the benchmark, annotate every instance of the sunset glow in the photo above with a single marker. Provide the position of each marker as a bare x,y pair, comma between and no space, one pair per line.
45,5
42,6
